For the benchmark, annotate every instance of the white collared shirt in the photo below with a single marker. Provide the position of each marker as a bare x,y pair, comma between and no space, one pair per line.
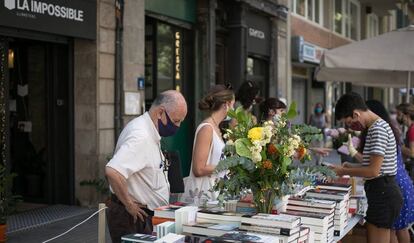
138,158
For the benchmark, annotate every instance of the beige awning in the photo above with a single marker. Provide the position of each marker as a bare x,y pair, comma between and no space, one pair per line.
382,61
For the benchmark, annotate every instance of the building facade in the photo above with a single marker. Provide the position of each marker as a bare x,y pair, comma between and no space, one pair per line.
73,76
319,25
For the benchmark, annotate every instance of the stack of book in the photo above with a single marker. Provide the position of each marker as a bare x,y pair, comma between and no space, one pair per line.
132,238
285,227
208,229
164,214
245,207
171,238
244,237
219,217
184,215
341,193
164,228
212,223
316,214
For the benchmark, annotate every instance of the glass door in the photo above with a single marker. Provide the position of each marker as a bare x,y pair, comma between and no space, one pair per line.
39,114
169,65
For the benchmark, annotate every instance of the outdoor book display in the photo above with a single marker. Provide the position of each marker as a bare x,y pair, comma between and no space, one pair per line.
257,163
325,213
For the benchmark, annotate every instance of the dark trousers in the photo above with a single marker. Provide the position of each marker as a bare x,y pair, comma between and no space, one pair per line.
121,223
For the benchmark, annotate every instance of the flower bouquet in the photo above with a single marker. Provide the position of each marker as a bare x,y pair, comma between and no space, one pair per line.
340,138
258,158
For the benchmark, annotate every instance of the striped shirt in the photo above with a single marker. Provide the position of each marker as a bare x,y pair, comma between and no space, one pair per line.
380,140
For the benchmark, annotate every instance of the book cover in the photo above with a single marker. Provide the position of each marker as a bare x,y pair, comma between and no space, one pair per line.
244,237
272,220
213,230
138,238
328,194
310,209
312,202
269,230
157,220
220,215
304,231
308,218
334,186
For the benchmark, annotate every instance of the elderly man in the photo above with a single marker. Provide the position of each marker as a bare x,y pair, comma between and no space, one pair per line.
137,171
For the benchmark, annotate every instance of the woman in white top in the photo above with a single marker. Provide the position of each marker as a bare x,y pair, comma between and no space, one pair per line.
208,144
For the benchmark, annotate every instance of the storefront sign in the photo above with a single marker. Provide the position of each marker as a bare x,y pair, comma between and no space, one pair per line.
177,55
75,18
258,33
304,51
312,53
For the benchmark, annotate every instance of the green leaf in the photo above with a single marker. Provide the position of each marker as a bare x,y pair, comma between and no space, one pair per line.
233,161
263,154
242,147
232,114
292,113
285,163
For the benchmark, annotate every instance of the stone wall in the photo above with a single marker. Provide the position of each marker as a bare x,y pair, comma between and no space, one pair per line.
94,79
86,139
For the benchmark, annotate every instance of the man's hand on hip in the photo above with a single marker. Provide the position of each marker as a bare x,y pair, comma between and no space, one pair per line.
134,208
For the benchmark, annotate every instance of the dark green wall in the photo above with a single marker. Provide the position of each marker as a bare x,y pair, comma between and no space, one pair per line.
182,142
180,9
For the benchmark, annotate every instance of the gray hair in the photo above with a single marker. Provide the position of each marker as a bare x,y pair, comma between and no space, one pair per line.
167,99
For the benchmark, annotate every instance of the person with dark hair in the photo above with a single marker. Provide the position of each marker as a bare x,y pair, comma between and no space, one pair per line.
208,143
406,118
137,171
247,96
405,183
271,109
379,166
319,119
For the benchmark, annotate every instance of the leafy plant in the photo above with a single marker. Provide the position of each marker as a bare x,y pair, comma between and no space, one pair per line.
259,157
101,185
8,201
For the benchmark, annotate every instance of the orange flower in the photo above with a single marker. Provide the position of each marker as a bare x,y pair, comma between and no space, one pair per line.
271,149
267,164
301,152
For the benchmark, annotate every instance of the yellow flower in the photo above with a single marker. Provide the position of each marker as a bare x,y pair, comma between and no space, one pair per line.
255,134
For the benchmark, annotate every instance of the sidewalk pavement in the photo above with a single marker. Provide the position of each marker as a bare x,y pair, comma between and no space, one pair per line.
85,233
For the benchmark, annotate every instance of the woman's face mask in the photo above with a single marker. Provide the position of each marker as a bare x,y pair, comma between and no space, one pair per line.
276,118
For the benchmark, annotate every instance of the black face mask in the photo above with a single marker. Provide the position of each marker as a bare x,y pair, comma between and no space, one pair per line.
400,120
167,130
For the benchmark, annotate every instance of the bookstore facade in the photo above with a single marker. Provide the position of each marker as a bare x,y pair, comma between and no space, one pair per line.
36,96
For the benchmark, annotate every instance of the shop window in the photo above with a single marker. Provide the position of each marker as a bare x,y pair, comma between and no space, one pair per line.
257,71
301,7
347,18
310,9
163,58
372,25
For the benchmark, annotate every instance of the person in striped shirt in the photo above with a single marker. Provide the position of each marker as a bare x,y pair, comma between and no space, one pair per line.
379,165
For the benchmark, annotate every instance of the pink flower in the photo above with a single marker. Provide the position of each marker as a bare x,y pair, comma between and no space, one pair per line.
333,133
341,130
